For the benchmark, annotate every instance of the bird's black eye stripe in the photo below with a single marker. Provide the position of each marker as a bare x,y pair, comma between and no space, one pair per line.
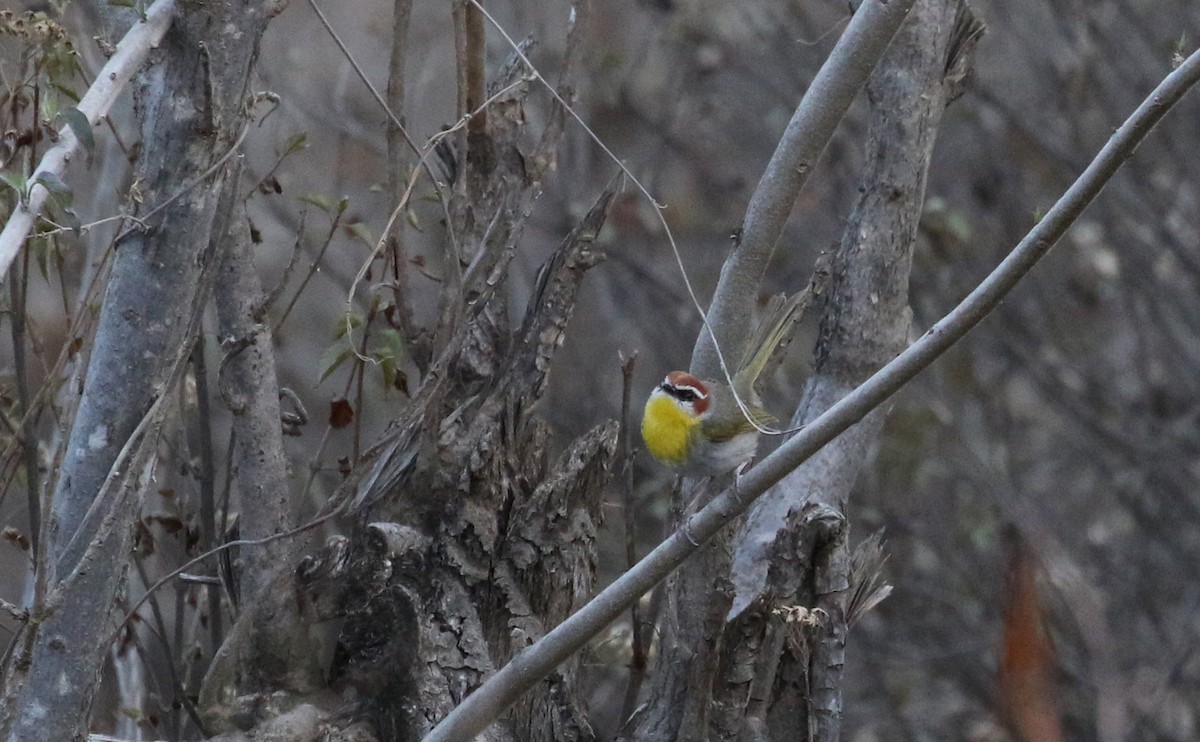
682,393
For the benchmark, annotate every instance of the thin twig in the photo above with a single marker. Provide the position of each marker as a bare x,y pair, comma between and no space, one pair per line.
208,505
160,633
528,668
401,17
222,548
312,268
637,642
18,293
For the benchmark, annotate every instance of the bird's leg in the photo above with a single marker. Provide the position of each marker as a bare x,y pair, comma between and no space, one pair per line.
737,478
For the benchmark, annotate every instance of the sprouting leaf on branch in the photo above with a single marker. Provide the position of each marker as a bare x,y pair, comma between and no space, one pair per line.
389,354
333,357
78,122
362,232
16,180
295,143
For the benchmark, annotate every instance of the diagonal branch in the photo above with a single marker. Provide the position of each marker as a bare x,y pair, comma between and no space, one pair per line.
110,83
820,111
529,667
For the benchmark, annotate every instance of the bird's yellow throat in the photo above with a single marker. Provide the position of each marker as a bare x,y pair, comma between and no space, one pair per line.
667,429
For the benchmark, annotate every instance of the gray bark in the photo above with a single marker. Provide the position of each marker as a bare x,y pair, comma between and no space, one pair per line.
808,133
701,684
866,318
191,102
865,324
249,387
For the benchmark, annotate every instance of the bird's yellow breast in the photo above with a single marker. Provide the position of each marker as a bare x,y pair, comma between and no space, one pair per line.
667,430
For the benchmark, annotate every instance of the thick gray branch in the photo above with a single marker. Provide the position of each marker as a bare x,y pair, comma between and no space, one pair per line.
250,388
820,111
866,318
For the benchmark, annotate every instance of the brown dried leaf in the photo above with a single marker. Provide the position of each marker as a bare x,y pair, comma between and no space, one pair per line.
341,413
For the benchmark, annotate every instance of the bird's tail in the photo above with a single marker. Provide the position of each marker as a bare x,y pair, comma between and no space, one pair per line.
776,326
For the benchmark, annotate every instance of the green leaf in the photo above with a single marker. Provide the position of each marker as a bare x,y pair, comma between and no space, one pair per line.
295,143
355,322
68,92
51,182
387,367
362,232
40,247
324,203
82,129
333,357
393,342
16,180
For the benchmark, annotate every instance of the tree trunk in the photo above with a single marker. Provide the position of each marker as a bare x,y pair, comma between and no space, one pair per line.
192,105
762,656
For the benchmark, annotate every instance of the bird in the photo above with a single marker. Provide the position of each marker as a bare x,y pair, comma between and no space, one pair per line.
696,427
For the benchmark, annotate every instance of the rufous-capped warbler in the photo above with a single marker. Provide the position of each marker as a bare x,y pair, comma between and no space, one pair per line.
695,426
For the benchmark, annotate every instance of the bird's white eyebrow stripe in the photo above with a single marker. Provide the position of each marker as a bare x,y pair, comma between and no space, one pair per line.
694,390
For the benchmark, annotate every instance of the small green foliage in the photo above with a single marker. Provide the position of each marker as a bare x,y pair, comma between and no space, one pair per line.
351,322
75,119
17,182
326,204
333,357
388,354
41,248
61,200
295,143
362,232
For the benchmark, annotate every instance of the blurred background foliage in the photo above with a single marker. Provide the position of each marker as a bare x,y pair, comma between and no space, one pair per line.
1038,486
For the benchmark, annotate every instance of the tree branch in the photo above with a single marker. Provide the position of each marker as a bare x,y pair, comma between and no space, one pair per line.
866,317
114,76
527,668
808,133
249,386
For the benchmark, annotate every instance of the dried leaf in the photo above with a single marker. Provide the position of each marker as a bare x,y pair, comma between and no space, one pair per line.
341,413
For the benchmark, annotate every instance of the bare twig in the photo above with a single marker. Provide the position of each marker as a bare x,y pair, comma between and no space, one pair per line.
169,656
528,668
208,500
127,60
637,642
312,268
18,295
401,16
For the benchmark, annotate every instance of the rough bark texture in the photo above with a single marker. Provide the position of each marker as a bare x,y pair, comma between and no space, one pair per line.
866,317
191,102
864,325
249,387
488,545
